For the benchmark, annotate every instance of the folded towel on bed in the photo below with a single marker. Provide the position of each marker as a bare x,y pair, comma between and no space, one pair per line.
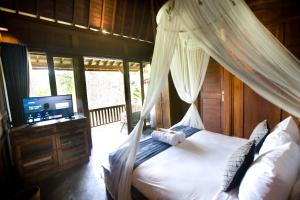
170,137
180,133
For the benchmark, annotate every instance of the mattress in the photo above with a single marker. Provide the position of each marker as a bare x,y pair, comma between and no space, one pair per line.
191,170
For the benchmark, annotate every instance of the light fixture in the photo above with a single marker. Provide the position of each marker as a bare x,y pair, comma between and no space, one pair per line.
27,14
3,29
80,26
7,10
105,31
65,23
94,29
47,19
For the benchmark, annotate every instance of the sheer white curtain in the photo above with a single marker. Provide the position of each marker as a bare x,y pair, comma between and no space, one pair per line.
188,71
230,33
162,57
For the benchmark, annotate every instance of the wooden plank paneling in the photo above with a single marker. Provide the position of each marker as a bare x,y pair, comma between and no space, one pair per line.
46,8
107,15
81,12
211,98
141,32
64,10
8,4
257,109
96,13
227,106
292,32
28,6
122,17
128,18
248,107
120,9
238,109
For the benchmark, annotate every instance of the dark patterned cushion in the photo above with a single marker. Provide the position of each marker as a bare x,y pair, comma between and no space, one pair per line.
237,165
259,134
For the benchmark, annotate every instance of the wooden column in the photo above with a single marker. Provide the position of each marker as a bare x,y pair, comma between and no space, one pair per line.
142,81
127,95
80,85
162,108
52,80
81,92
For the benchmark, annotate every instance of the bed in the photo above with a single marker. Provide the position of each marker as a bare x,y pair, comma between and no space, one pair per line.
191,170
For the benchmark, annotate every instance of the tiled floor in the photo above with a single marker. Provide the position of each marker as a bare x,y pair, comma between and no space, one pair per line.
85,182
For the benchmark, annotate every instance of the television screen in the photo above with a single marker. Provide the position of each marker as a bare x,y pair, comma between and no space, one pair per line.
46,108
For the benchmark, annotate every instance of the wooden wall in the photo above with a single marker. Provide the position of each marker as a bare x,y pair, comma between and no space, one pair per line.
282,18
243,109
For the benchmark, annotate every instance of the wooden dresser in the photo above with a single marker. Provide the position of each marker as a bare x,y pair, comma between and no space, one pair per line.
48,147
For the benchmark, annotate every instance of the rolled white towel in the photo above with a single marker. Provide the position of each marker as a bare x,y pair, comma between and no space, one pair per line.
180,133
166,137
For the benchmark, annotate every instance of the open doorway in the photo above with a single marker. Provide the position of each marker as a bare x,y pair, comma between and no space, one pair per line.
106,101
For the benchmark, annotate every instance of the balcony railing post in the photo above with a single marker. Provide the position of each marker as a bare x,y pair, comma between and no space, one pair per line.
106,115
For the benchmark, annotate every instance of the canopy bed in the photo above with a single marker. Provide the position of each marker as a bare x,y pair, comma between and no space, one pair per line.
189,33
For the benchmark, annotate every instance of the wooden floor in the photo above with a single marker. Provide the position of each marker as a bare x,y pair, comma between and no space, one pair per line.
85,182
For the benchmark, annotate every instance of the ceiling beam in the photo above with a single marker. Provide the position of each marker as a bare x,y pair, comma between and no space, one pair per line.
114,17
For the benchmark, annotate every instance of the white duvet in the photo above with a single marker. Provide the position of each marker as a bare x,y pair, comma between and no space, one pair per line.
192,170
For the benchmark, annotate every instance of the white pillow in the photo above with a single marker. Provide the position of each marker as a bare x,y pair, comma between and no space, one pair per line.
289,125
275,139
272,175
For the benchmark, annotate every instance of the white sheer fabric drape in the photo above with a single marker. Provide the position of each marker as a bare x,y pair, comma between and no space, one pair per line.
162,57
188,71
230,33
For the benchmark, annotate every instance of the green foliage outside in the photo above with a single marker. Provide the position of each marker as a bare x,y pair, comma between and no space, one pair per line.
65,81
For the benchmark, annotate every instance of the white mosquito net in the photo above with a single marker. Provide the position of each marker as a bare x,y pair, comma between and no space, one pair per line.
188,32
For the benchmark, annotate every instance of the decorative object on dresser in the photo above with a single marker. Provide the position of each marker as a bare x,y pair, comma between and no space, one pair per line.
48,147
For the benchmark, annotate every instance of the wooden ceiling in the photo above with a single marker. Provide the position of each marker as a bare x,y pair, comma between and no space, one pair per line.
126,18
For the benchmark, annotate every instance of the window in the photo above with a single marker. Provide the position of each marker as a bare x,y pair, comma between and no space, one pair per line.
64,77
39,76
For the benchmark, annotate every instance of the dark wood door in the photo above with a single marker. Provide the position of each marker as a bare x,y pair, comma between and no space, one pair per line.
212,98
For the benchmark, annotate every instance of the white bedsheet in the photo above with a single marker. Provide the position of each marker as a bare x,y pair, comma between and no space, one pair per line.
192,170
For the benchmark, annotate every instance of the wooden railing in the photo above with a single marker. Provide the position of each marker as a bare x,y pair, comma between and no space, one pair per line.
101,116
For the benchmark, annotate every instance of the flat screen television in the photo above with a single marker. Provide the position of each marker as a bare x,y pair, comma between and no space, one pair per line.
38,109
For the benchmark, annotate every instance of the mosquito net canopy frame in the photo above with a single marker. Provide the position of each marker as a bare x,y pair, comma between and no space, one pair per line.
188,33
